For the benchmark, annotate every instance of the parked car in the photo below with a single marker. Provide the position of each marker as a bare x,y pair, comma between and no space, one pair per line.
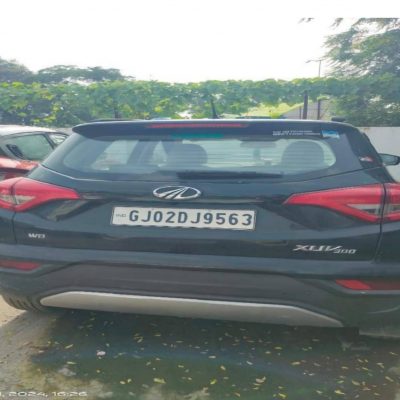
22,147
278,221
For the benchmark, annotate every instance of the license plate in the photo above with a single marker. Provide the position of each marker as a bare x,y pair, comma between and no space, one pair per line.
184,218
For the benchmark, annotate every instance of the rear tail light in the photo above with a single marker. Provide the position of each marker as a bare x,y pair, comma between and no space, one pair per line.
392,204
363,202
21,265
21,194
355,284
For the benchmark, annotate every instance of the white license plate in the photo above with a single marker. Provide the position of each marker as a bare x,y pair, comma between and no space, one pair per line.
184,218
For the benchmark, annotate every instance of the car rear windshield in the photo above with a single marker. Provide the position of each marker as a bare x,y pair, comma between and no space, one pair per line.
142,154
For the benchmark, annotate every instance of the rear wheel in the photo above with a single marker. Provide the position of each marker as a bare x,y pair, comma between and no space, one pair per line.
24,303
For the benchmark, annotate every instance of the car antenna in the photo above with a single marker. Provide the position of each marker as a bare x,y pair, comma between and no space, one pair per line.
213,109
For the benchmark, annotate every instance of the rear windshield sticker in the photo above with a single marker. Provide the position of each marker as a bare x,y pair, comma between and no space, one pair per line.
295,133
330,134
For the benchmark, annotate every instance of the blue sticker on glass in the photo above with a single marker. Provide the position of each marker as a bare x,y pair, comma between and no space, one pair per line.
331,134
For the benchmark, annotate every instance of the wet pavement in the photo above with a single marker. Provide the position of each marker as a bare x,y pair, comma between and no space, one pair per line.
157,358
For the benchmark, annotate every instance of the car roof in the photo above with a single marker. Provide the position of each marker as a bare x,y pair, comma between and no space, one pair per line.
13,129
207,123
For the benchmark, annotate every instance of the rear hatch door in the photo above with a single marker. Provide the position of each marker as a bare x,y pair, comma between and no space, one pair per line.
207,189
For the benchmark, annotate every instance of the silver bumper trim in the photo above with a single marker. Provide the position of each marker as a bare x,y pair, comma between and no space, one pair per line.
192,308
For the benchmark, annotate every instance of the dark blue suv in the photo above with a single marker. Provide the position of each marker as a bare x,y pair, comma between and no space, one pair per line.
289,222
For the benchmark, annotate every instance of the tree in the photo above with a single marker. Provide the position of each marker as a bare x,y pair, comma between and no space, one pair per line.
371,46
12,71
28,104
72,73
369,51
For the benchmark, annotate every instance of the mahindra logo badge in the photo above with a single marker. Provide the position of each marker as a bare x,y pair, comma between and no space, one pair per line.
176,192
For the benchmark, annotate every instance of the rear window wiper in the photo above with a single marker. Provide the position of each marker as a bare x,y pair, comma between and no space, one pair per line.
226,174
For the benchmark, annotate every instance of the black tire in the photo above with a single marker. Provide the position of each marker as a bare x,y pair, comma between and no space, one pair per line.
24,303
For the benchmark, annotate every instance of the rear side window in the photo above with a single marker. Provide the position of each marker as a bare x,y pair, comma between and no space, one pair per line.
57,138
205,152
29,147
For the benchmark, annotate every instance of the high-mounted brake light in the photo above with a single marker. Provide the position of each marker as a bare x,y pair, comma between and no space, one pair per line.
199,125
21,194
360,285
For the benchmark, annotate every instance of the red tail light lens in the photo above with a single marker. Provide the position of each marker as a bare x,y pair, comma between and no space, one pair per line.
392,204
21,265
355,284
21,194
363,202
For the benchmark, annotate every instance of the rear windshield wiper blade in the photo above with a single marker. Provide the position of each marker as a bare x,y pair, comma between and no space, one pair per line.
227,174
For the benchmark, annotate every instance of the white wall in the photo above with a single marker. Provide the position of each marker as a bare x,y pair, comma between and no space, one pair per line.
386,140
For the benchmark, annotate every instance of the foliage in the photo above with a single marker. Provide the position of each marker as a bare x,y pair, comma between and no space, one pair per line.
71,73
371,46
371,101
11,71
66,95
69,104
368,52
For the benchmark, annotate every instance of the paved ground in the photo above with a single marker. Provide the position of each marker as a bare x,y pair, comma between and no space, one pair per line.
20,336
100,355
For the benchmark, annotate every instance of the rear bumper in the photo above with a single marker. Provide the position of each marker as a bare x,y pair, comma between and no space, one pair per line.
295,292
194,308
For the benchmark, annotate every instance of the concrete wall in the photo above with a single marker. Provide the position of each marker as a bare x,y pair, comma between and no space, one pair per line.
386,140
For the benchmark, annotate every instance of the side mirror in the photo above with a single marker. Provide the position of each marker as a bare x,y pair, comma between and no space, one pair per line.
389,159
